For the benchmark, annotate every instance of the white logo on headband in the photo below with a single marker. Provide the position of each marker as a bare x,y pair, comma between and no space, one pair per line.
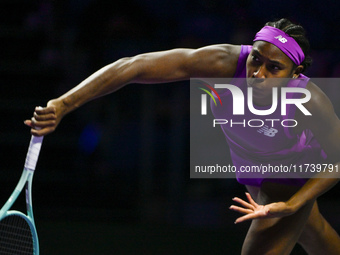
281,38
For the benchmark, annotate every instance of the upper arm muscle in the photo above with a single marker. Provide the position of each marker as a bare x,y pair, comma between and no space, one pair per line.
181,64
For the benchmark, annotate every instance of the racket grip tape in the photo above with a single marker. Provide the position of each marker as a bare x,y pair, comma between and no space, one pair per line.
33,152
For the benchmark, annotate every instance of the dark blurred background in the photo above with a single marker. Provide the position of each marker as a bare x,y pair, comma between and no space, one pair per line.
114,177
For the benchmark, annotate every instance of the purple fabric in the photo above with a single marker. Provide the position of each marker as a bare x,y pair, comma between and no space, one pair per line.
283,41
250,147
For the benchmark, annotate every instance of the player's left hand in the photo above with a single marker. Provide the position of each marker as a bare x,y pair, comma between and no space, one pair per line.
252,210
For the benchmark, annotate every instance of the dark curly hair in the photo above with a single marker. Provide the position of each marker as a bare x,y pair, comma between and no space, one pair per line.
299,35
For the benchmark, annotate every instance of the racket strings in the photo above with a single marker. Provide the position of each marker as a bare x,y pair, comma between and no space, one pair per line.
15,236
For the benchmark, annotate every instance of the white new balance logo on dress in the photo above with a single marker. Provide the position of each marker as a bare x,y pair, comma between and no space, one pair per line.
281,38
267,131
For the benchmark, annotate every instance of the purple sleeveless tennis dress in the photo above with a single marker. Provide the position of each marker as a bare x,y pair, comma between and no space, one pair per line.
269,145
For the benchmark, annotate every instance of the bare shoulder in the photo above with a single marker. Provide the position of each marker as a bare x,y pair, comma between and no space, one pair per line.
322,111
218,60
319,102
319,106
324,123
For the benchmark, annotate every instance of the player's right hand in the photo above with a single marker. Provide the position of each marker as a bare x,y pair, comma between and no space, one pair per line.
45,119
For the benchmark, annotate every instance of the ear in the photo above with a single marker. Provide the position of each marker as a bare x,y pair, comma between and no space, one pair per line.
297,71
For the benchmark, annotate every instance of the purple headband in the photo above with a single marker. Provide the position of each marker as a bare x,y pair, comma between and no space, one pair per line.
283,41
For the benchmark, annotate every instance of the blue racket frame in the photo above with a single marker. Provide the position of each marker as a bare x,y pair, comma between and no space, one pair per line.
26,180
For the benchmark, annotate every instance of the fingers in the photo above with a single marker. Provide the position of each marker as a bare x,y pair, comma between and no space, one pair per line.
241,209
42,124
246,217
254,211
42,132
43,121
50,110
249,209
244,203
251,200
28,123
44,117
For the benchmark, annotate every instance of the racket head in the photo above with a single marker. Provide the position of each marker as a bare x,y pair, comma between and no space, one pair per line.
18,234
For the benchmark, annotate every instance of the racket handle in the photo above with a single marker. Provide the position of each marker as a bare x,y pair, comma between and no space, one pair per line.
33,152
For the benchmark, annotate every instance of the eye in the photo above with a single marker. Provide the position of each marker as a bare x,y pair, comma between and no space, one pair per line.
275,68
255,59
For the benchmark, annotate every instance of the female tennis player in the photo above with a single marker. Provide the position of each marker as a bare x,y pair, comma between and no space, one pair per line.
283,211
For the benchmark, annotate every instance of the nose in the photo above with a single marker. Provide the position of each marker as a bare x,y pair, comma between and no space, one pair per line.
259,73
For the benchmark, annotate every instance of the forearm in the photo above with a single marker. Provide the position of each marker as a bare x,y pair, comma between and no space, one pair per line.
106,80
154,67
315,187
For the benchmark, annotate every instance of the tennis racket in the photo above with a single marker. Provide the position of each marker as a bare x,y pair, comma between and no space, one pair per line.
18,234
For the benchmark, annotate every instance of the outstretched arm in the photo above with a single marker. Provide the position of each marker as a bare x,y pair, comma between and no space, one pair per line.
155,67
